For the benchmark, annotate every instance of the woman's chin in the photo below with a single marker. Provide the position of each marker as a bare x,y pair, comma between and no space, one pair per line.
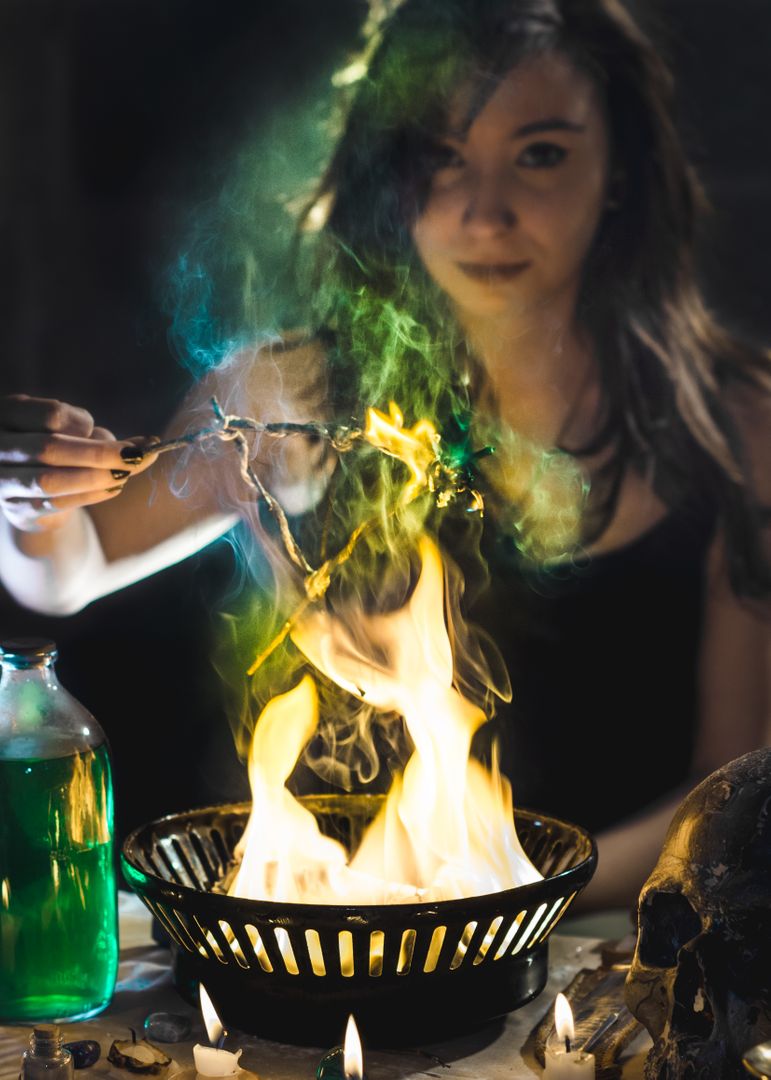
496,305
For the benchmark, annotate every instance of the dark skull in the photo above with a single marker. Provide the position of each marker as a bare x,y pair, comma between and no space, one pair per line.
700,980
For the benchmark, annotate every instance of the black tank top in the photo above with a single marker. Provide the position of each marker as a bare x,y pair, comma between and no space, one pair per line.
602,658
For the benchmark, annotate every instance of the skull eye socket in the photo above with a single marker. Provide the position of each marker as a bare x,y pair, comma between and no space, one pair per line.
667,922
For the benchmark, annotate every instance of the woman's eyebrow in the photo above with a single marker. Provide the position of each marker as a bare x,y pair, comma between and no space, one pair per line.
553,123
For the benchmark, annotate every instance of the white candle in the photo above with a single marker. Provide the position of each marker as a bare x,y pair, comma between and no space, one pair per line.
213,1060
209,1061
561,1060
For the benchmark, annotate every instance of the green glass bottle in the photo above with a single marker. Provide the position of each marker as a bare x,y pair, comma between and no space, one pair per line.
58,888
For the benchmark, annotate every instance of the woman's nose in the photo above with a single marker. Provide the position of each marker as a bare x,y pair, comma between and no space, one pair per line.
489,207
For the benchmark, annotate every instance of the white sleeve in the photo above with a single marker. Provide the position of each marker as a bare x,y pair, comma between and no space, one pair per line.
77,572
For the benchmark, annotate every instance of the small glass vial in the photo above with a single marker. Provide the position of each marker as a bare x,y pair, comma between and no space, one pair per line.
46,1058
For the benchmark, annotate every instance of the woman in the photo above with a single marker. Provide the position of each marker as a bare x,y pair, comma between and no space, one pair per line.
508,251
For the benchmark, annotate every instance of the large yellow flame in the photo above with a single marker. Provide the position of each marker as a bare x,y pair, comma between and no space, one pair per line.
446,830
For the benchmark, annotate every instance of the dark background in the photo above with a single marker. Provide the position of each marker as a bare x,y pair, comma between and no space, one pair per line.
115,119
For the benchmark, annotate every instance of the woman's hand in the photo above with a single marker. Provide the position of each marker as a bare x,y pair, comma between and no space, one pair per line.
53,460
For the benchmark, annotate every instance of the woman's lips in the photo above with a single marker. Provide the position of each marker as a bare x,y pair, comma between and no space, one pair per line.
492,272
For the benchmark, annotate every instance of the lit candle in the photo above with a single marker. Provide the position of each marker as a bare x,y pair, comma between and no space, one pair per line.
213,1060
561,1060
344,1062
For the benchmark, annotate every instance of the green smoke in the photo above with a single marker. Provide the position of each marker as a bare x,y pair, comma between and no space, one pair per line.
252,271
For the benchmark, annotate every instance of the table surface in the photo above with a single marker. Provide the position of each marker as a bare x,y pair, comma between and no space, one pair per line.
145,986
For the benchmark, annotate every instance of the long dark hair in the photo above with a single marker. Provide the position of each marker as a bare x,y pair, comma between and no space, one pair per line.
665,361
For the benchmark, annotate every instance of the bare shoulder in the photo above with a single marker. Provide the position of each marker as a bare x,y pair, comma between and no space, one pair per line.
281,379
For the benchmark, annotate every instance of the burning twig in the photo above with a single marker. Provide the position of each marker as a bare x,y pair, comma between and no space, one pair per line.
230,428
316,585
418,447
227,427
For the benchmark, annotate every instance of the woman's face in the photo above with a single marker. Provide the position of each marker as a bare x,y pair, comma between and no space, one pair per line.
516,198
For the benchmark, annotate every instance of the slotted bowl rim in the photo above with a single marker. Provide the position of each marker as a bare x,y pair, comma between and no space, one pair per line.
472,979
344,912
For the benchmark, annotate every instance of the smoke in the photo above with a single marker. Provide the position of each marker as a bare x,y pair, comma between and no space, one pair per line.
233,283
295,324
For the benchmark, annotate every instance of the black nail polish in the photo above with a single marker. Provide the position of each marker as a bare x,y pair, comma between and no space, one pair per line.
118,487
120,474
132,455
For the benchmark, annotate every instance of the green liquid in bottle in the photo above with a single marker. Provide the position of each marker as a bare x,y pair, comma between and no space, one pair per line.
58,900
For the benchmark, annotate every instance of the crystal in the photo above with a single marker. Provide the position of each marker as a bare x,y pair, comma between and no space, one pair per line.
331,1066
85,1052
167,1027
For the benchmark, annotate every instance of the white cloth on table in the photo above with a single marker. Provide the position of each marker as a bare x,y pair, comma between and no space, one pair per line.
145,985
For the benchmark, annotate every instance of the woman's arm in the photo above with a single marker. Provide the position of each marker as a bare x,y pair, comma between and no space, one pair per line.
58,552
734,686
735,717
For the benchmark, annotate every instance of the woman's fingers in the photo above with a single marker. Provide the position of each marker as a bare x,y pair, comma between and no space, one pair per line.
70,451
20,412
34,482
53,460
103,434
42,515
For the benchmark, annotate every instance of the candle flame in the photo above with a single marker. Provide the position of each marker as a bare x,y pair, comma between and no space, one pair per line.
211,1020
563,1018
353,1058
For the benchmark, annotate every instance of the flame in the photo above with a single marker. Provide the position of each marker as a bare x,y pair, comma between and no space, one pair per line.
563,1019
211,1021
417,446
446,830
288,859
353,1058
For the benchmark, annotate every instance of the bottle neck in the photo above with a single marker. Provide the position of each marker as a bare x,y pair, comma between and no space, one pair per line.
31,701
46,1047
38,717
46,1042
41,674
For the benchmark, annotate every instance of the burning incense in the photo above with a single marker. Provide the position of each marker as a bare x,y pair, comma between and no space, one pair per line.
228,426
417,447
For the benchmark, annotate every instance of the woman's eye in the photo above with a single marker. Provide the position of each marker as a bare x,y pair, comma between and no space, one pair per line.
542,155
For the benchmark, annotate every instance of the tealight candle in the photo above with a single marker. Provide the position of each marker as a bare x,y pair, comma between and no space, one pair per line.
213,1060
209,1061
344,1062
561,1061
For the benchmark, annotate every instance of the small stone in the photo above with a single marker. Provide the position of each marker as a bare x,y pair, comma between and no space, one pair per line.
167,1027
85,1052
332,1066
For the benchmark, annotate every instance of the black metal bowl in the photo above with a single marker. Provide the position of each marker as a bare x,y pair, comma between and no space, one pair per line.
408,972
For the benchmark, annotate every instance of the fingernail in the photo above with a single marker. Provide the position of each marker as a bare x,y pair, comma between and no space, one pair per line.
118,487
132,455
120,474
